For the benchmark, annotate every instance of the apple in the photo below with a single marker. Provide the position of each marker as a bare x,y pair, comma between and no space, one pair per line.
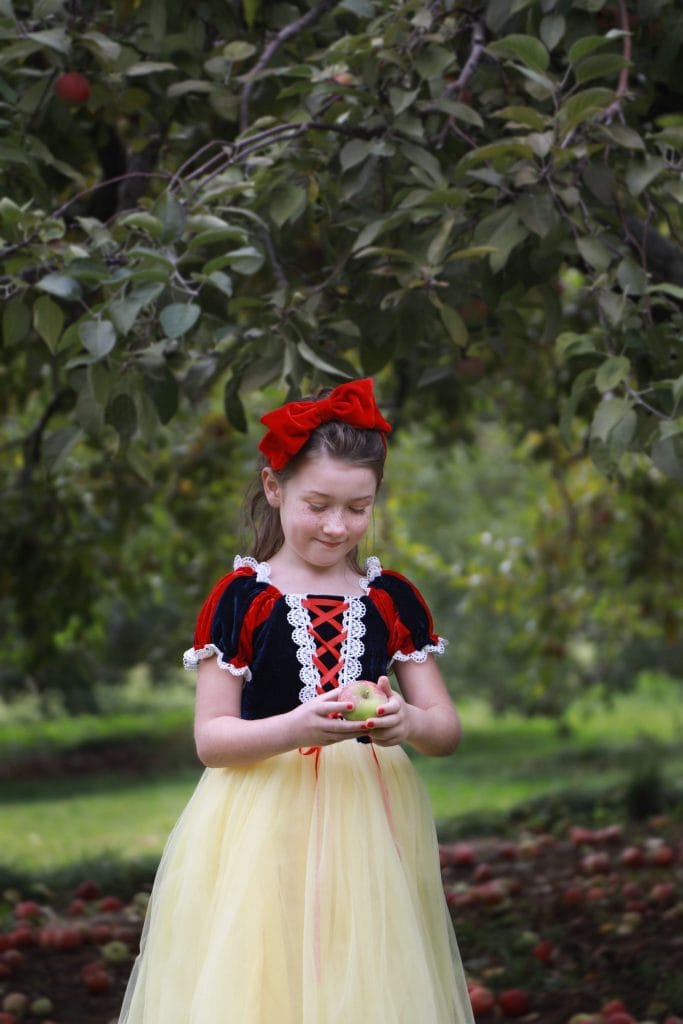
514,1002
41,1006
620,1017
482,1000
366,699
15,1002
613,1006
72,87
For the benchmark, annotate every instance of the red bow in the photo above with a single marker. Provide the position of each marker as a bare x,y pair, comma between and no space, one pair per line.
290,426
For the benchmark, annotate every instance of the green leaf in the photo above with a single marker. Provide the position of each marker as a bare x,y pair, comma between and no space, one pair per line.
674,290
454,324
585,45
48,320
178,318
55,38
527,49
401,99
320,362
424,159
102,45
354,152
667,455
526,116
122,415
60,285
493,150
594,252
98,337
148,67
288,204
432,61
552,29
251,10
125,311
614,419
162,388
189,85
639,176
221,281
59,444
16,321
238,49
232,403
612,372
172,215
583,106
604,65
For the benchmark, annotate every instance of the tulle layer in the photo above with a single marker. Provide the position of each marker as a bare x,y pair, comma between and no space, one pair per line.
301,890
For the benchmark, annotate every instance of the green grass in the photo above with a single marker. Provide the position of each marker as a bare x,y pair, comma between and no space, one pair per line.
47,824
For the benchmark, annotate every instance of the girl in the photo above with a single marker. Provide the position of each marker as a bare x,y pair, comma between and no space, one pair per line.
301,885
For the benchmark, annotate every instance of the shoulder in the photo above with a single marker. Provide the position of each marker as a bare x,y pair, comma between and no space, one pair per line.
390,582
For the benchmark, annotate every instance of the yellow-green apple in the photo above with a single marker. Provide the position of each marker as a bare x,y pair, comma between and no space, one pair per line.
366,698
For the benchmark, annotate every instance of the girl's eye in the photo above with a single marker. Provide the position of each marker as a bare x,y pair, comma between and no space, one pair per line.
358,511
317,508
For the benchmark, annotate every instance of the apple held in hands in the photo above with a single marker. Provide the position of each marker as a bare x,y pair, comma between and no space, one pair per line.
366,699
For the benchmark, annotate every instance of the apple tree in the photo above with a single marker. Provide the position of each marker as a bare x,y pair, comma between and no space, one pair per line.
478,202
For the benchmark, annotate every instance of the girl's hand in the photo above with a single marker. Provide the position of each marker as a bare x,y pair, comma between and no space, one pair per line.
392,723
320,722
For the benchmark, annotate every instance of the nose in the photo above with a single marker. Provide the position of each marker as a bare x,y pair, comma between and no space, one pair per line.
334,524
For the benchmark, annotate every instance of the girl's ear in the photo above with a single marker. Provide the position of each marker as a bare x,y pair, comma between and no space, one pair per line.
272,488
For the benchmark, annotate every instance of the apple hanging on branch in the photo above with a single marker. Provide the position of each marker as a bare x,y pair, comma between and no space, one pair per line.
72,87
366,698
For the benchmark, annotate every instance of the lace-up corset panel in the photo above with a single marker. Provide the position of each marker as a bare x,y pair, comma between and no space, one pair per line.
287,648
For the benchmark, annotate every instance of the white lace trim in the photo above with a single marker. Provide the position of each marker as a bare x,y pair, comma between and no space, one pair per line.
351,650
192,657
262,569
373,569
422,654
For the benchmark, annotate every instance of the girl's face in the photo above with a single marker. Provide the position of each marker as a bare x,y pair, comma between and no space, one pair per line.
325,508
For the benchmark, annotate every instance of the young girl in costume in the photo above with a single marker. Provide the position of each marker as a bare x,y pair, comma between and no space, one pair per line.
301,885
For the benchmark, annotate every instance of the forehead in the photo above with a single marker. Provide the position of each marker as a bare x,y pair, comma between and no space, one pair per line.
323,474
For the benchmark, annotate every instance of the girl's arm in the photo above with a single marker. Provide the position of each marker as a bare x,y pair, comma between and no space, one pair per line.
223,739
422,714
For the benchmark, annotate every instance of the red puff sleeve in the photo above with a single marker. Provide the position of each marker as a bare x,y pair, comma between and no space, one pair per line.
236,605
407,617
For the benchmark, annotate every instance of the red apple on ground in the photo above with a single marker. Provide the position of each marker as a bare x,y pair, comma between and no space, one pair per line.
482,1000
620,1017
72,87
366,698
514,1002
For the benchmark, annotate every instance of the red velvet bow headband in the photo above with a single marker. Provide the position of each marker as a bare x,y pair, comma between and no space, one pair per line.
290,426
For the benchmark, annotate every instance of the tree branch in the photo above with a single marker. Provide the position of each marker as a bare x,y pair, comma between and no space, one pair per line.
614,109
269,51
470,64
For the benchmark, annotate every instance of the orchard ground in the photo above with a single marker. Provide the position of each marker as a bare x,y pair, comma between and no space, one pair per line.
563,903
550,925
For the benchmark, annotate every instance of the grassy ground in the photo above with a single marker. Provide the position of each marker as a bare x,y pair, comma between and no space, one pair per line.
47,823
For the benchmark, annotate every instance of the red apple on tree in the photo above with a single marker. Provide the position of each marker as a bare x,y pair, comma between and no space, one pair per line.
72,87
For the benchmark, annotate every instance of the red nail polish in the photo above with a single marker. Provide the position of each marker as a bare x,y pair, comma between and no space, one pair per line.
380,711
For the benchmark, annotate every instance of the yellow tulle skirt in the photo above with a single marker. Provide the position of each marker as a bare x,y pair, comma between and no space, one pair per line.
301,890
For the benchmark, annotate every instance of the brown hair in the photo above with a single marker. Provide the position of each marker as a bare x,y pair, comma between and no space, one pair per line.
337,439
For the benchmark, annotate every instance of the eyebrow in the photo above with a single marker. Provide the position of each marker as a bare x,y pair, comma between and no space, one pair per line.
321,494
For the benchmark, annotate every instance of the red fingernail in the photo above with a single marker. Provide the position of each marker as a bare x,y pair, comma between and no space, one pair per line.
349,707
380,711
370,725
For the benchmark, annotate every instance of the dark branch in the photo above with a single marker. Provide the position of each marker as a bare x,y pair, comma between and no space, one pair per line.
269,51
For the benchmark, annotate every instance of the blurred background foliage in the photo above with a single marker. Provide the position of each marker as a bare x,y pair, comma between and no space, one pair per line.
477,202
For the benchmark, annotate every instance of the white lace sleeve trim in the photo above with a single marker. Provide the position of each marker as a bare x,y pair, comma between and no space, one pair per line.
373,569
422,654
192,657
262,569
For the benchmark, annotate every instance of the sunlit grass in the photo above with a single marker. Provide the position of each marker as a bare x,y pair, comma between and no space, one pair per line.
48,823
